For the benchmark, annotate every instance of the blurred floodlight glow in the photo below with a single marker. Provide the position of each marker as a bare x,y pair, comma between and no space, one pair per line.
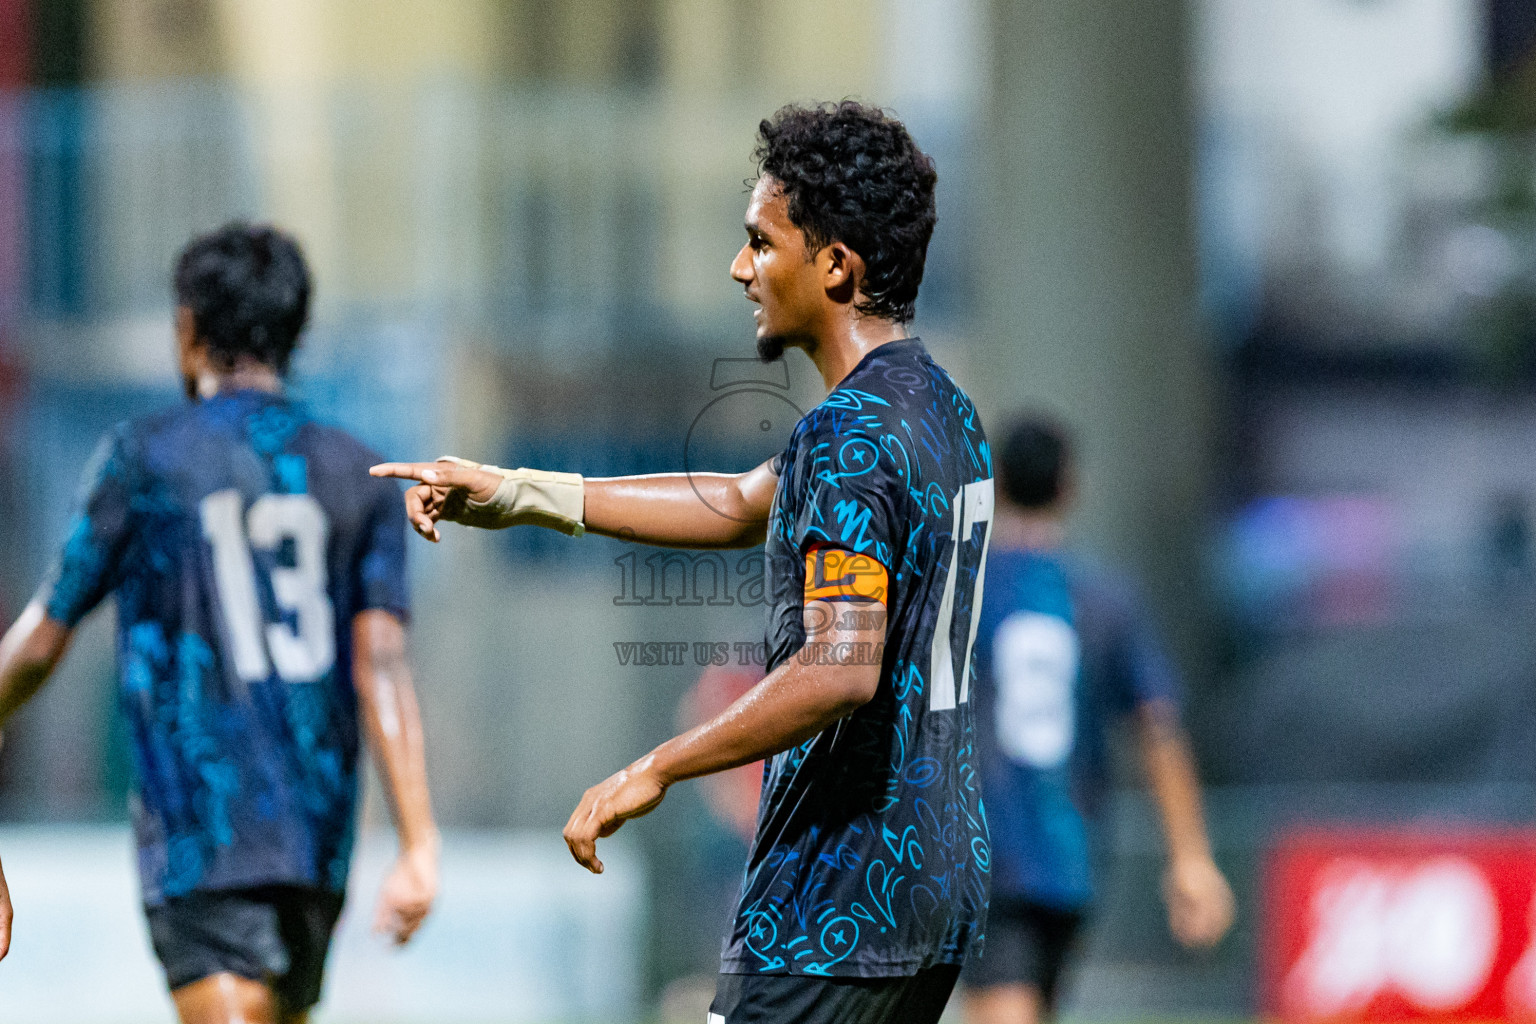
1327,557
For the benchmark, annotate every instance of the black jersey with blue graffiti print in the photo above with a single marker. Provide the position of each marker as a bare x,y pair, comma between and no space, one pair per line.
240,539
871,857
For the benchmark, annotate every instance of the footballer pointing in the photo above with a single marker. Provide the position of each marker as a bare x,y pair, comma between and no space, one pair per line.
866,884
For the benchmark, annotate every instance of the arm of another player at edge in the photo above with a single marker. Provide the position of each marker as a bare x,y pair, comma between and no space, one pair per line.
793,703
391,719
29,652
5,915
1200,902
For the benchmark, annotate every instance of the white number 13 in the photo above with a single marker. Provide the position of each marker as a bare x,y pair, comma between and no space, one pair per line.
306,651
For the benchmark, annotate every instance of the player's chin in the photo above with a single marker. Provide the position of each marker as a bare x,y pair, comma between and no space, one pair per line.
770,346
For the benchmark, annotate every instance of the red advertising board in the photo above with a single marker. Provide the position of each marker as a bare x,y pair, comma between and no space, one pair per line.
1400,926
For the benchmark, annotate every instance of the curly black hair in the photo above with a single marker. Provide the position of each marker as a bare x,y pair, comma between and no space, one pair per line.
248,289
853,174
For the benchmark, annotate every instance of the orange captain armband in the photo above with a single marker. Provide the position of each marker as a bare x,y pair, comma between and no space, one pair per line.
837,574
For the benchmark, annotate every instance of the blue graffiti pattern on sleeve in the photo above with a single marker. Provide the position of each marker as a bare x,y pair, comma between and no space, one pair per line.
872,857
239,780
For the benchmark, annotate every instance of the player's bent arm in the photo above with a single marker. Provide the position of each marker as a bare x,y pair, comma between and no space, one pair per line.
836,673
29,652
686,510
1200,903
392,722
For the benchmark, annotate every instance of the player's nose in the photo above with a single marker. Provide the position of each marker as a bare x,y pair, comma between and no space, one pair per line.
741,266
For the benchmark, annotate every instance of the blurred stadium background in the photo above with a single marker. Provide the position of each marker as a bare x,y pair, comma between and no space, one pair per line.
1274,259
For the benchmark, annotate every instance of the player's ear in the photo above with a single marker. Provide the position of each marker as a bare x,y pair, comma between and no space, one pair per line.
186,328
842,270
187,350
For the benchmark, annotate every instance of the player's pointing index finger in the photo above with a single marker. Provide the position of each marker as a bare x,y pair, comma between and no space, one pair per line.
425,471
479,484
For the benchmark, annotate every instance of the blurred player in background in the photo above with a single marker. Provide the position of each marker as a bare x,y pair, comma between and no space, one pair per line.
866,884
261,607
1062,653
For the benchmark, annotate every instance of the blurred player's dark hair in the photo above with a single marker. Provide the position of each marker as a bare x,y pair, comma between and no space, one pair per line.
852,174
248,289
1034,461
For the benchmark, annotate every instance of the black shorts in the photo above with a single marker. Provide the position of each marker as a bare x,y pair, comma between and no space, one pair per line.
277,935
795,999
1027,944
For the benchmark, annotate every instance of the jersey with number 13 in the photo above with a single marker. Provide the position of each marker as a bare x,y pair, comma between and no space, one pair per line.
240,539
871,857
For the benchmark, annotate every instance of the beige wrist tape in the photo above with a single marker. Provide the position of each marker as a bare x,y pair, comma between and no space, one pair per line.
532,497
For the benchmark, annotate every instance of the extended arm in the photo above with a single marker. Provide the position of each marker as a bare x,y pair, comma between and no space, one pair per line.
681,510
838,674
684,510
1200,904
28,655
392,722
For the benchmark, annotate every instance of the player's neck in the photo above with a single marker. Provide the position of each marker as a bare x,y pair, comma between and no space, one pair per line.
243,376
1026,530
849,340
